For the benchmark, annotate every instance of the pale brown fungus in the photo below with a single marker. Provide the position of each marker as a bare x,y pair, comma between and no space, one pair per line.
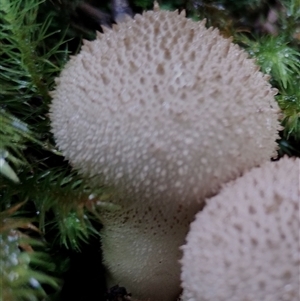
245,244
165,111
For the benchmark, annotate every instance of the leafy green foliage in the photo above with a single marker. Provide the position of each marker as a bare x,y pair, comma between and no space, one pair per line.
31,56
275,58
13,134
28,66
171,5
67,197
279,56
289,102
282,62
290,20
19,279
35,40
143,3
60,199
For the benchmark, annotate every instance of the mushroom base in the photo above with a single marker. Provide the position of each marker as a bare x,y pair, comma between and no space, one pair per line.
141,250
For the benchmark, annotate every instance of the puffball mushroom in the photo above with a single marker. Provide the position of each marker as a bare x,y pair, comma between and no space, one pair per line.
244,245
164,111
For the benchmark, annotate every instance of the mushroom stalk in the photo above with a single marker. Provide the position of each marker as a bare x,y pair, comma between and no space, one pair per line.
141,248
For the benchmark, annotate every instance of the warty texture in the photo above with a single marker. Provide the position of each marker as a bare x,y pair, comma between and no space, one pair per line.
164,111
244,245
162,107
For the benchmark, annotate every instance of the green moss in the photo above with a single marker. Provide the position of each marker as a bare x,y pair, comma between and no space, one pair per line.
35,40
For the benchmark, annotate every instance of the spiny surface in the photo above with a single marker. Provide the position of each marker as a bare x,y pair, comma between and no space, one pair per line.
163,110
162,107
244,245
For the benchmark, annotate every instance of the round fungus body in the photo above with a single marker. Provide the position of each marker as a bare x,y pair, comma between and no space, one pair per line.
244,245
164,111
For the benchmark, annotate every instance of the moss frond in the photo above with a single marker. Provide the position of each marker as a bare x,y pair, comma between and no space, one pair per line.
62,201
35,39
13,135
289,101
282,62
20,280
275,57
290,20
31,56
27,65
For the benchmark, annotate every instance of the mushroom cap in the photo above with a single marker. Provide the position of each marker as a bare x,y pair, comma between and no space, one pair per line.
163,108
244,245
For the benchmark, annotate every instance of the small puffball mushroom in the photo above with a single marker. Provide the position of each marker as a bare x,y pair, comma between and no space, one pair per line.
164,111
244,245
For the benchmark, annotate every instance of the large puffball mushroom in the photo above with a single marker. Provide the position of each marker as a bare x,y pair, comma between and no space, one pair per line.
244,245
164,111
